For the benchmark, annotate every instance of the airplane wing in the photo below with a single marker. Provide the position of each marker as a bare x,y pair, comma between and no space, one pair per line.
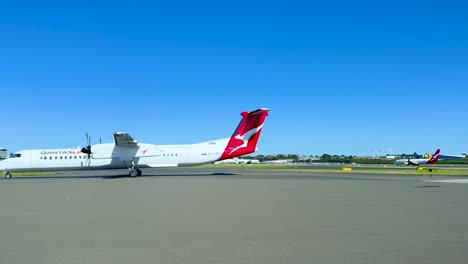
123,139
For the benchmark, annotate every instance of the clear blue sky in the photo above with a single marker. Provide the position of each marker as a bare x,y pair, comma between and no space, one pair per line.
341,77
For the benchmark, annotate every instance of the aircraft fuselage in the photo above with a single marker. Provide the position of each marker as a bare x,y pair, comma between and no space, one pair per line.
110,156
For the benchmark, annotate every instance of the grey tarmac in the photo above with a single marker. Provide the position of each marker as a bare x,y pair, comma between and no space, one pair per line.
197,215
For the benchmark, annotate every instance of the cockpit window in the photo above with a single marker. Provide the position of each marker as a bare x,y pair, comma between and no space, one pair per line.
15,155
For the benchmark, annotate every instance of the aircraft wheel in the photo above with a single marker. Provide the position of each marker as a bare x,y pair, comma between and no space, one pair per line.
8,175
139,172
133,173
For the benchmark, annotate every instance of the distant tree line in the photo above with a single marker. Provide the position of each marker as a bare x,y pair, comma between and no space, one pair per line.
454,161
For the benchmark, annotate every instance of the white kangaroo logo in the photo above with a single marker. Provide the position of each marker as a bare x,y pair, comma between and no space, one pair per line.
246,137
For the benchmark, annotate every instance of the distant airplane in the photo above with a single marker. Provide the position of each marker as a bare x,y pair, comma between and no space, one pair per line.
126,152
418,161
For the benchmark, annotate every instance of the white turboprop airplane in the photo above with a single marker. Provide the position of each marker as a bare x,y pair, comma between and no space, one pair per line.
126,152
417,162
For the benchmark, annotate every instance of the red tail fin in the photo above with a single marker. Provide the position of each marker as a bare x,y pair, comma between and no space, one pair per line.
434,157
244,140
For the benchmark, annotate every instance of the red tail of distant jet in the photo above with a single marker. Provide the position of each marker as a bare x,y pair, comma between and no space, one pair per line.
434,158
244,140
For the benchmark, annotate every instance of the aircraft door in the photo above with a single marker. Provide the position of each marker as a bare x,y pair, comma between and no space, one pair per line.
185,155
33,159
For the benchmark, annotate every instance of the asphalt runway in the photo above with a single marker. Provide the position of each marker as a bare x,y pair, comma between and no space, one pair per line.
197,215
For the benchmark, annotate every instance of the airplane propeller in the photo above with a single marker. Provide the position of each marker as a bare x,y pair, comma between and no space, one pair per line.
87,149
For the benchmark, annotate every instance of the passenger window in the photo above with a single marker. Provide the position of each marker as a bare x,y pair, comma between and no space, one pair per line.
61,157
50,157
75,157
56,157
70,157
65,157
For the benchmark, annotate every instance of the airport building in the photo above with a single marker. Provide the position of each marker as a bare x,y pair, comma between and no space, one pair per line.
282,161
237,161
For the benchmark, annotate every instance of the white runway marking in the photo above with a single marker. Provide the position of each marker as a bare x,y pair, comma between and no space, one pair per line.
450,181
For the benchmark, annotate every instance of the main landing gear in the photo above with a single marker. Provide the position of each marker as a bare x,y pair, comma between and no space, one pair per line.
7,175
134,172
